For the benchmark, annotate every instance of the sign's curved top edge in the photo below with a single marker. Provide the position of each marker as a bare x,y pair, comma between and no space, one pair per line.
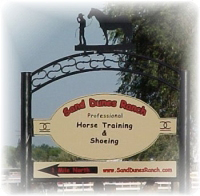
114,94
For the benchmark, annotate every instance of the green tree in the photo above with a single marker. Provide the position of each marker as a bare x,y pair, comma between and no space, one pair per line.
64,156
51,154
39,154
163,31
10,157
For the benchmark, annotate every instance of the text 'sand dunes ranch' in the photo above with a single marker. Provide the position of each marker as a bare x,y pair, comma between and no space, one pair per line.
105,126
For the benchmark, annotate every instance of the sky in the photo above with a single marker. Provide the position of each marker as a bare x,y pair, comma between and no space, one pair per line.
35,33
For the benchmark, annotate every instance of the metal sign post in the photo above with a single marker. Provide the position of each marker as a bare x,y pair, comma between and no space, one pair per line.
184,134
26,132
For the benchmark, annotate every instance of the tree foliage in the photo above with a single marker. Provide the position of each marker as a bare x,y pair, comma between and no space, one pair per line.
50,154
42,153
10,158
163,31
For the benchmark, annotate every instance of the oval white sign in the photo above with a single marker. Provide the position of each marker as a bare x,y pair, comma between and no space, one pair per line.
105,126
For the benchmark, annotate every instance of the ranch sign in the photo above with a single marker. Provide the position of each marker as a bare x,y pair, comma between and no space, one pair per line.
105,126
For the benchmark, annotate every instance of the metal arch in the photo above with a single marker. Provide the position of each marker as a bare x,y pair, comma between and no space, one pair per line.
72,65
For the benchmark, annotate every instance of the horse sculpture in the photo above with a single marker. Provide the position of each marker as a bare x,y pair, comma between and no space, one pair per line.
108,23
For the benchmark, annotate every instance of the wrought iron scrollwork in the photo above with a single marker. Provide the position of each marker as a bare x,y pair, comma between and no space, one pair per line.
92,61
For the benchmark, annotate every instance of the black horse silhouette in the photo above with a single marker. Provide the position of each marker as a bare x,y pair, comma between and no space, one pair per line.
108,23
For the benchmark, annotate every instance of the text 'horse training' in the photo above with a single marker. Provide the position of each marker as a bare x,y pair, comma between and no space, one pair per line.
108,23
